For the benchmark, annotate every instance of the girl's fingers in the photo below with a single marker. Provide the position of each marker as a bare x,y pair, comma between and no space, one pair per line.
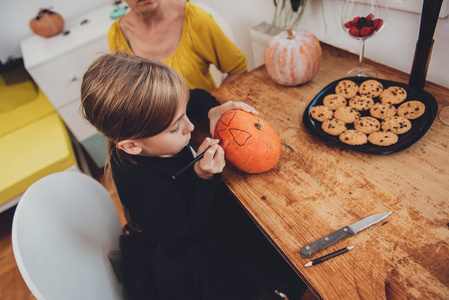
210,146
245,107
221,159
202,147
213,161
208,142
215,113
210,154
213,157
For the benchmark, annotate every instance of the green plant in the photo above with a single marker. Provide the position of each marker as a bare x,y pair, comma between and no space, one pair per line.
288,13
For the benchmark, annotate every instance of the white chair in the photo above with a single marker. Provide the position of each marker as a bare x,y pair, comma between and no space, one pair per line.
63,229
216,74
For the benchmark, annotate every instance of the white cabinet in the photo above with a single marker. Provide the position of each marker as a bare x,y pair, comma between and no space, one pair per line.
60,78
57,65
71,114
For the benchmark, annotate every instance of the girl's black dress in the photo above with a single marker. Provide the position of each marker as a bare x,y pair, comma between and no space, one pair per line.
194,241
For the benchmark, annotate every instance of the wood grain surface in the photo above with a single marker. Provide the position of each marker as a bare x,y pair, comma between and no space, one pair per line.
317,188
12,286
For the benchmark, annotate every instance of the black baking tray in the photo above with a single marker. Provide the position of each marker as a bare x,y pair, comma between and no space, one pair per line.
419,125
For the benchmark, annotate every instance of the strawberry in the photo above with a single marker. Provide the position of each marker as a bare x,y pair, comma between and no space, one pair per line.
370,17
363,22
377,24
366,31
354,31
355,19
349,24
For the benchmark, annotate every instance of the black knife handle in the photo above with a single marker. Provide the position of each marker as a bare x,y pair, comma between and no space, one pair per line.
325,242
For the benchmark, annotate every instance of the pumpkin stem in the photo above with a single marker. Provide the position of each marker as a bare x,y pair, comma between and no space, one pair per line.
290,34
259,125
43,11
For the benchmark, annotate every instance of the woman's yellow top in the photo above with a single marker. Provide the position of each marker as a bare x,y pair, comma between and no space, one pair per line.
202,43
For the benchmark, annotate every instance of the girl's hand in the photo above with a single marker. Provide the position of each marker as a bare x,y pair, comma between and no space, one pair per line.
213,160
216,112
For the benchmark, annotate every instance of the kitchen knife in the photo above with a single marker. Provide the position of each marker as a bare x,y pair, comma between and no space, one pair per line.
334,237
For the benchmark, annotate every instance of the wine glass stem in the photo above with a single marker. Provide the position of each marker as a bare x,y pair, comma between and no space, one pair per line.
361,54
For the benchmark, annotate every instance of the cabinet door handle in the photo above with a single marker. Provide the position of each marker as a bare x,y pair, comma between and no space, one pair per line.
73,78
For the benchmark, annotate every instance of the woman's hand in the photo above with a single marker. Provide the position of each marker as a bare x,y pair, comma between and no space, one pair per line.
216,112
213,160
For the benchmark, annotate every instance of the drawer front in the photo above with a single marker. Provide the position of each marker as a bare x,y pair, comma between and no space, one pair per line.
60,79
73,118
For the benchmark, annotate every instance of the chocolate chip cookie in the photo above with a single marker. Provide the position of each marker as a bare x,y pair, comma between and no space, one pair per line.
361,102
371,88
367,125
321,112
347,114
334,101
382,138
353,137
347,88
397,125
333,126
383,111
411,109
393,95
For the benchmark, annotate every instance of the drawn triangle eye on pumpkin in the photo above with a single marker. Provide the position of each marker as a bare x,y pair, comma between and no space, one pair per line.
226,118
240,136
223,134
249,142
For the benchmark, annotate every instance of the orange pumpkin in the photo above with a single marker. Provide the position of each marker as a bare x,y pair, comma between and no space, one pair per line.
249,142
47,23
293,58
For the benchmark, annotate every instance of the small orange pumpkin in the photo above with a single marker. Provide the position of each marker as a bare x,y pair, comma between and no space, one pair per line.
293,58
249,142
47,23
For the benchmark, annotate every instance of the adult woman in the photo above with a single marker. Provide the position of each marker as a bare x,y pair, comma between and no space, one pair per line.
180,34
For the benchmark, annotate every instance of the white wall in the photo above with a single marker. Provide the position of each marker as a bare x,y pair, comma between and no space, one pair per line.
393,46
15,16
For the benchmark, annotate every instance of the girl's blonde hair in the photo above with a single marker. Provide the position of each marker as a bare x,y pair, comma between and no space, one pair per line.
129,97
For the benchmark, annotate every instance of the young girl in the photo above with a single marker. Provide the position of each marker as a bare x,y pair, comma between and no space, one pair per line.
180,243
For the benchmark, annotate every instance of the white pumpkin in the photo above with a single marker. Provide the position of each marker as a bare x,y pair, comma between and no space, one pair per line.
292,57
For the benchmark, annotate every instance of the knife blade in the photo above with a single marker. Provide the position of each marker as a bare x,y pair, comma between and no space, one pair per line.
346,231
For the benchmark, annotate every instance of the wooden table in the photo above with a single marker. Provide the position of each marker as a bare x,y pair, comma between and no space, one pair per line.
316,189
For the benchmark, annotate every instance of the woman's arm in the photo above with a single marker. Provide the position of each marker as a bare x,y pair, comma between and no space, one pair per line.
232,77
212,44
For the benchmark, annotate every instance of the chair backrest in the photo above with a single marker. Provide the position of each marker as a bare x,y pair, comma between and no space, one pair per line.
63,229
224,25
